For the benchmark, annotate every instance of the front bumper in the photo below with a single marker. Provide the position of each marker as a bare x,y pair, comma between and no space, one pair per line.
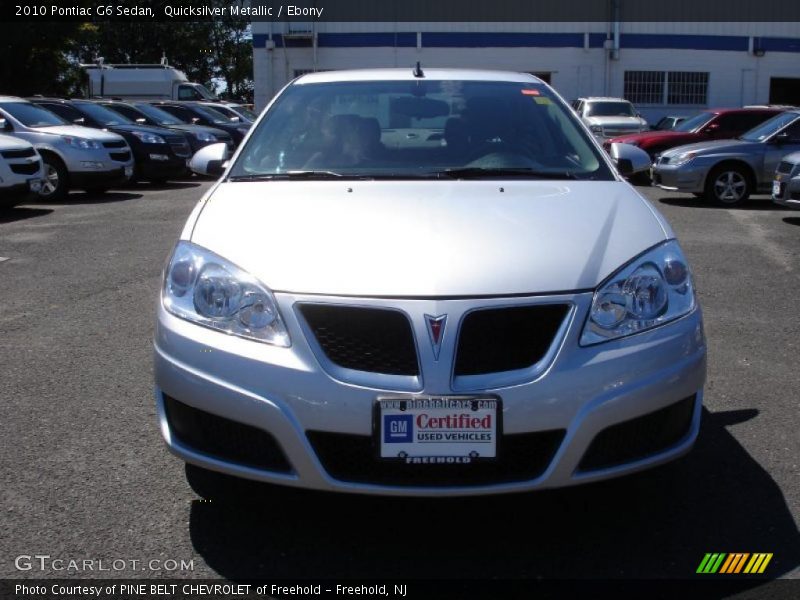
789,193
288,394
688,177
89,179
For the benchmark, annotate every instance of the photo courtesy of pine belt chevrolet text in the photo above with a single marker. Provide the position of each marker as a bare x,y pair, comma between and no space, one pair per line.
425,282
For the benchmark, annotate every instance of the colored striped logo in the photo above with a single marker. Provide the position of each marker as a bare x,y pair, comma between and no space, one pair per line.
736,562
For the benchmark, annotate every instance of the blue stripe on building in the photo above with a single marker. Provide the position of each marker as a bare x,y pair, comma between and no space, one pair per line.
532,40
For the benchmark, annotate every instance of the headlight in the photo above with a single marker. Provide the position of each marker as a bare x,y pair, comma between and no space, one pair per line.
682,159
148,138
204,288
204,136
81,143
654,289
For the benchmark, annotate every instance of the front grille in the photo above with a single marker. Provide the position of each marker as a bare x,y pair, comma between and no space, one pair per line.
181,149
506,339
364,339
785,167
118,144
24,153
25,169
521,457
616,132
120,156
224,439
640,437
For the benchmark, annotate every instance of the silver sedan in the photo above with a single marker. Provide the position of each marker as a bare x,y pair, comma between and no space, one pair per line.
425,283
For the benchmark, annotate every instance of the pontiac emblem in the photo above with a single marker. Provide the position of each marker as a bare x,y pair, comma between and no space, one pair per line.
435,326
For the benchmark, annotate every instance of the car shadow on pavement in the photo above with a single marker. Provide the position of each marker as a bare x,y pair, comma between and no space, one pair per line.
792,220
168,185
657,524
757,203
19,213
92,198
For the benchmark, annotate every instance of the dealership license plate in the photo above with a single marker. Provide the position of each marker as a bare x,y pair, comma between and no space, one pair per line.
776,188
437,429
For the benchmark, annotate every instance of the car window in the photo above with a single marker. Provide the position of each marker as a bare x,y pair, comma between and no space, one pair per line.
106,117
160,116
178,111
212,114
125,111
695,123
245,112
187,92
793,131
419,128
62,110
31,115
770,127
609,109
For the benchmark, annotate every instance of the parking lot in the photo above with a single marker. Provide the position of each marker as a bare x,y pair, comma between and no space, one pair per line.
86,474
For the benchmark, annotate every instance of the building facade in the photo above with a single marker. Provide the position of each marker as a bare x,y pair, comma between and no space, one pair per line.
664,68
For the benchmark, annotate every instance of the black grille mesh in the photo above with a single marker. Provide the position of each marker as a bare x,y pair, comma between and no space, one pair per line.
640,437
505,339
115,144
23,153
222,438
364,339
785,167
26,169
521,457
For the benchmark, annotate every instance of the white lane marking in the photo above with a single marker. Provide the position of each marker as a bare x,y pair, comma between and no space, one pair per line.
2,258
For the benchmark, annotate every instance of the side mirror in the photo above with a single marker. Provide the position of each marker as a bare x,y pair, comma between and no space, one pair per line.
5,125
711,128
79,121
630,160
210,160
782,138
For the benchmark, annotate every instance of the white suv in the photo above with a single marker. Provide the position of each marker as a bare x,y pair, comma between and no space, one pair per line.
20,171
609,117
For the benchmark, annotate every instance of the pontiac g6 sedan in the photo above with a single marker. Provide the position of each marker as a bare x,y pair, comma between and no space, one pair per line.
425,283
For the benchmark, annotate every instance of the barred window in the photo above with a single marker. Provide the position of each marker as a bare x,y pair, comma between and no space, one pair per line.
666,87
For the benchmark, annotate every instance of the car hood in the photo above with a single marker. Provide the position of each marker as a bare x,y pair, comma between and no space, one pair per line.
128,128
714,147
87,133
655,137
8,142
433,239
629,122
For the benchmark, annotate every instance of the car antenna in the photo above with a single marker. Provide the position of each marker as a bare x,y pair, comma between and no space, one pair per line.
418,71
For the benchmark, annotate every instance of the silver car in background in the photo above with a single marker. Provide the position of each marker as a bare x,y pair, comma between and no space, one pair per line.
728,171
21,171
424,283
786,185
74,156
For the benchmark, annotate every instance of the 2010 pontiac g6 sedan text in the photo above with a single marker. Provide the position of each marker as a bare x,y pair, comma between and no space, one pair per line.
426,283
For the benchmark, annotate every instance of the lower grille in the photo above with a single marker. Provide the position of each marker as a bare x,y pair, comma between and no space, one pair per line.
181,150
23,153
507,339
521,457
640,437
120,156
118,144
364,339
224,439
25,169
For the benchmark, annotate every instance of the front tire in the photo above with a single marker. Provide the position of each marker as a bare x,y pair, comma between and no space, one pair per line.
56,179
728,186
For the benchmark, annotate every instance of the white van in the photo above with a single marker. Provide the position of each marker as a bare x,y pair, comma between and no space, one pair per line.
143,82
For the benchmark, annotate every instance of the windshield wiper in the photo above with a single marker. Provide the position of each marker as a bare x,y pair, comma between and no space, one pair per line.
288,175
523,172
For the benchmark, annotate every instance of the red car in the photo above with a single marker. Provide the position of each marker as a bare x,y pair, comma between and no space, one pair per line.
713,124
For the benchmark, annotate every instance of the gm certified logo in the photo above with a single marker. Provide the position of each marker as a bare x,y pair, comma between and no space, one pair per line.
398,428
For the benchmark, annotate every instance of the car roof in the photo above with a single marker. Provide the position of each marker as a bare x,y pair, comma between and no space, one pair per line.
408,75
12,99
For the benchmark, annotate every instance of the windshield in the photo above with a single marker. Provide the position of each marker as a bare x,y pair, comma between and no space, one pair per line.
245,112
161,117
695,122
212,114
768,128
31,115
409,129
204,92
105,116
609,109
227,111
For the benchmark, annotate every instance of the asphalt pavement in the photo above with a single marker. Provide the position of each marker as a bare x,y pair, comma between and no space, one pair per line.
84,473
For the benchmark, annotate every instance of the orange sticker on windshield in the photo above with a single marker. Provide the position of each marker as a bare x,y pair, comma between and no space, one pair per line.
531,92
